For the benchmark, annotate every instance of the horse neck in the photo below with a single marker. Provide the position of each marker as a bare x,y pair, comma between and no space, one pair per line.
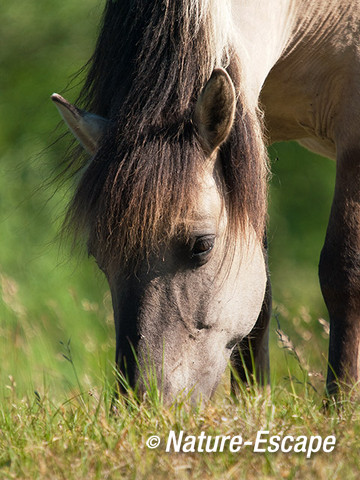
266,31
263,30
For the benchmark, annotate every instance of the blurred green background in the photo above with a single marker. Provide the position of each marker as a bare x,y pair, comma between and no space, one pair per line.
47,293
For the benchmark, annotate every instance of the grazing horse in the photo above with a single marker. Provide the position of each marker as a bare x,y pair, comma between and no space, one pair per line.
173,199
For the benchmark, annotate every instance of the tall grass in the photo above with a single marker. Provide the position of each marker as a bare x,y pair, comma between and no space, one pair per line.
79,436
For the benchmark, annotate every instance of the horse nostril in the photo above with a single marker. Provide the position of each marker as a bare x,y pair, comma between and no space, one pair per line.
201,326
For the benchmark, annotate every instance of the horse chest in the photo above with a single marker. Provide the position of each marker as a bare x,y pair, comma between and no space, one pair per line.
312,89
306,101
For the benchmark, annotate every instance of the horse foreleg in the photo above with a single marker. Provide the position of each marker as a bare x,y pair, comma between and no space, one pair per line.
250,358
339,272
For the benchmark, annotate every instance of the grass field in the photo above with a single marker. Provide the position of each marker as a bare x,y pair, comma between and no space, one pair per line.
76,436
55,419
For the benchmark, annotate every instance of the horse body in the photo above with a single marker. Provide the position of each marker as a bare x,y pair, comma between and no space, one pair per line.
300,57
311,94
173,200
305,92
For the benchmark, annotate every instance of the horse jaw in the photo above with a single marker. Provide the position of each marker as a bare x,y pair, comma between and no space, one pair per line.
87,128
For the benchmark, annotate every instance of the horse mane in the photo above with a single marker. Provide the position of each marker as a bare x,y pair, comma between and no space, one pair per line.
151,61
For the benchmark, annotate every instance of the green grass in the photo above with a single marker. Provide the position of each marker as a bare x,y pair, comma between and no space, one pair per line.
78,436
56,419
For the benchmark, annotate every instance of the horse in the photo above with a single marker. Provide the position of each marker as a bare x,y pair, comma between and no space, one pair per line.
185,96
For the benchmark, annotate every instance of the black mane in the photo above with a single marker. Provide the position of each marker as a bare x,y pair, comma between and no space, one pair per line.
151,61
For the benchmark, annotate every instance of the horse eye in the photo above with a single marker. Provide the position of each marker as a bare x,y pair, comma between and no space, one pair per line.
202,246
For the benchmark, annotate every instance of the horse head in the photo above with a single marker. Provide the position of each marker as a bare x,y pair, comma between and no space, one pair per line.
185,288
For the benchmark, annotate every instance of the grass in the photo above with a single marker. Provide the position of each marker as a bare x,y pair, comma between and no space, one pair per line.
67,429
78,437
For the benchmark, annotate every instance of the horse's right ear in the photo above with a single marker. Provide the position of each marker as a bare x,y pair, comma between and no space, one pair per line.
86,127
215,110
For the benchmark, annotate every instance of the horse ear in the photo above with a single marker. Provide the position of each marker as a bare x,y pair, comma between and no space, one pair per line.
215,110
86,127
